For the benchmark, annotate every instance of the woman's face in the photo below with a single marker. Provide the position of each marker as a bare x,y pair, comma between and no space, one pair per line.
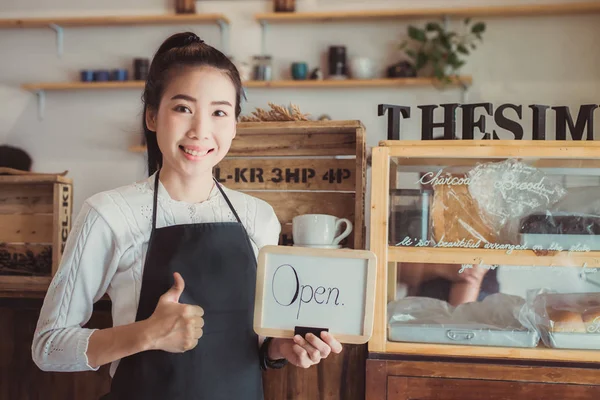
195,122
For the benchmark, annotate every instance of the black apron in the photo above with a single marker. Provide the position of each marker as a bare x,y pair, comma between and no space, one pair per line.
218,266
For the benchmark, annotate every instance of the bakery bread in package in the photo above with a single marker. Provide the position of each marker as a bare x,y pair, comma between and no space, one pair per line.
485,204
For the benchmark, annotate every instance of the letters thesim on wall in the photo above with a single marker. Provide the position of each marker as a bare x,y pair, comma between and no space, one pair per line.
583,125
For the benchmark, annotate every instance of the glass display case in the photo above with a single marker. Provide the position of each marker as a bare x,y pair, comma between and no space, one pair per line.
487,249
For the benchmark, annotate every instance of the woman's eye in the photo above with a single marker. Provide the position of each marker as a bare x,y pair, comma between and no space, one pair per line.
182,109
220,113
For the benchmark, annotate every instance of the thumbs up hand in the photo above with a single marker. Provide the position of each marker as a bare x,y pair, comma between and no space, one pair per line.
176,327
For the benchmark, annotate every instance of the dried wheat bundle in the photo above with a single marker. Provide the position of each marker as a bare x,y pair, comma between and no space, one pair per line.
276,113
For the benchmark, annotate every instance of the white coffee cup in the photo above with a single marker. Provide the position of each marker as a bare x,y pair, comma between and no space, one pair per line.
319,229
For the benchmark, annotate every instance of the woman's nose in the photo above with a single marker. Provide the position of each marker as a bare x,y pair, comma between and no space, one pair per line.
201,129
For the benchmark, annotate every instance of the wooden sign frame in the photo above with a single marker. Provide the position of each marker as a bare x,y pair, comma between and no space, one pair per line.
368,307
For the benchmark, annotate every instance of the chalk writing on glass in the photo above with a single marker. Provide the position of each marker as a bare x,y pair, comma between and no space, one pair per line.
594,327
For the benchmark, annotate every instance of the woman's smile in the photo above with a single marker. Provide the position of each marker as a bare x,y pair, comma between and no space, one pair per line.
195,153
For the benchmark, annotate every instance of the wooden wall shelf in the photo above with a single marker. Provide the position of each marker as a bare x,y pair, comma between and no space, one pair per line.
112,20
353,83
349,83
499,11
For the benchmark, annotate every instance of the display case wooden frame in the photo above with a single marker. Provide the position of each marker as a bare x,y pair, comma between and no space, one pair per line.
549,153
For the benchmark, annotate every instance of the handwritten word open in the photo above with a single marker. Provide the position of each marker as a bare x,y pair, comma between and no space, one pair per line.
304,293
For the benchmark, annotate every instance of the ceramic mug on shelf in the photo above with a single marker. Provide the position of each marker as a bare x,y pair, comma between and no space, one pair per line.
319,230
299,71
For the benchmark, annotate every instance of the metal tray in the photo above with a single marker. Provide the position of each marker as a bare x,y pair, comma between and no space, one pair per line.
463,335
576,341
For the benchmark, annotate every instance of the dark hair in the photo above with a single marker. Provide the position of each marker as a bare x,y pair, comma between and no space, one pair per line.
15,158
180,50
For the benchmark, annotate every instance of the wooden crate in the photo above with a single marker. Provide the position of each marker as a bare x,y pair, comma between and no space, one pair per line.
35,221
301,168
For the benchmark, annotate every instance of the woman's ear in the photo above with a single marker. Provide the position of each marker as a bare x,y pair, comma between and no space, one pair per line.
151,119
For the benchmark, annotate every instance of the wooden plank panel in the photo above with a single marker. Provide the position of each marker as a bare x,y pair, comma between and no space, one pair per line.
340,376
61,221
21,379
26,199
23,228
286,238
471,389
304,127
289,204
375,379
293,144
11,175
287,174
361,184
492,371
25,259
304,138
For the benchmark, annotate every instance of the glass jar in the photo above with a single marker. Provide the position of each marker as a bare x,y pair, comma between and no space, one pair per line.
262,68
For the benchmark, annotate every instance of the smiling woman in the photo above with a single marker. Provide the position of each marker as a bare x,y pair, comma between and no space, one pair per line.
193,126
176,253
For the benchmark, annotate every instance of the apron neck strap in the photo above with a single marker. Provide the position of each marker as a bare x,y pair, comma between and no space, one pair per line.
227,200
155,200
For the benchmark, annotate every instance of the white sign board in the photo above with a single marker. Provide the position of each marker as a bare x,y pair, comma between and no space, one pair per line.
319,289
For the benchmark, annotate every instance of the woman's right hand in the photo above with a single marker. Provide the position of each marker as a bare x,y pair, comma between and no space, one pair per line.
175,327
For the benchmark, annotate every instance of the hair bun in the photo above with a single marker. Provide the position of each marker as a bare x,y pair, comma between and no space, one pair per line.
192,38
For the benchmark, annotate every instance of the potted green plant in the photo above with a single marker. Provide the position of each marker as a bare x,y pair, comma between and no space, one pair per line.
442,49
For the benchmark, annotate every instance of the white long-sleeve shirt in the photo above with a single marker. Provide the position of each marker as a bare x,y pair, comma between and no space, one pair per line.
104,253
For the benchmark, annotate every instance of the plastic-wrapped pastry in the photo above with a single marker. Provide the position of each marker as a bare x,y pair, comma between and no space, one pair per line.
508,190
455,215
565,321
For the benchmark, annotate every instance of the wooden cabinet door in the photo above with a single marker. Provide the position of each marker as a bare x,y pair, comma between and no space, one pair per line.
411,388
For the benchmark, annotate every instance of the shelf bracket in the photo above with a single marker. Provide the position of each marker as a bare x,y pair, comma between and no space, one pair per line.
446,20
224,28
41,102
264,25
463,92
59,38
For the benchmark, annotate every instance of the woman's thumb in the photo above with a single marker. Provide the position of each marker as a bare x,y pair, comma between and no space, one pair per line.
175,292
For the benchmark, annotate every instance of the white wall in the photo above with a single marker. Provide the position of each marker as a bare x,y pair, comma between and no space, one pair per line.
524,60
